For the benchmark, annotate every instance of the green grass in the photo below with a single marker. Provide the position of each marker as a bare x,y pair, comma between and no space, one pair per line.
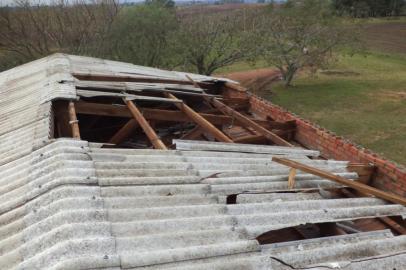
369,108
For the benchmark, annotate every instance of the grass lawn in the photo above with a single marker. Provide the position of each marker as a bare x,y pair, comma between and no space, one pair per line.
368,108
367,105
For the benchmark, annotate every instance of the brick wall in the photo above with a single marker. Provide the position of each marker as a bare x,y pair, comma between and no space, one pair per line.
389,176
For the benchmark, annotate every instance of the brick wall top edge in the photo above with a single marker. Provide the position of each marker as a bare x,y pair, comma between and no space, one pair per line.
365,153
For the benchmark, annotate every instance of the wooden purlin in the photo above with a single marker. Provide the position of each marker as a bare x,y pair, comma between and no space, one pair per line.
201,121
73,121
353,184
149,131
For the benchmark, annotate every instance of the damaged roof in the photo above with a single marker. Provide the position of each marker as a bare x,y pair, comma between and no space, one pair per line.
70,203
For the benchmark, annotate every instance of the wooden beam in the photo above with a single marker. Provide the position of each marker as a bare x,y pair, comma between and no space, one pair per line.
132,78
364,171
245,121
124,132
259,139
150,114
73,121
388,221
63,129
199,120
234,86
163,115
194,133
154,139
341,180
291,179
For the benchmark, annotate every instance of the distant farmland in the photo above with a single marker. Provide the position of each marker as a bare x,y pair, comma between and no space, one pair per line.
387,37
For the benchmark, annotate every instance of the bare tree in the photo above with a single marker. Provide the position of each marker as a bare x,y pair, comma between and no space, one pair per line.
207,42
301,34
29,30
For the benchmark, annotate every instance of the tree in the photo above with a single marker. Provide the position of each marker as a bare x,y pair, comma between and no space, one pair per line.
28,32
206,42
140,35
369,8
164,3
301,34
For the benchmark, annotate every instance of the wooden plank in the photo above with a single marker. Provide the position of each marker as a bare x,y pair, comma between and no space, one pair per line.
73,121
259,139
154,114
132,78
291,179
234,86
245,121
364,171
124,132
194,133
90,94
353,184
63,128
388,221
201,121
150,114
154,139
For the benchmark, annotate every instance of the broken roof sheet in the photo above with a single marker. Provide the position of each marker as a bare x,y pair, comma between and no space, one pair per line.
71,204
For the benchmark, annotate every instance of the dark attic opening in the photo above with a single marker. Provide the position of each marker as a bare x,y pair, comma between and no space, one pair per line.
133,112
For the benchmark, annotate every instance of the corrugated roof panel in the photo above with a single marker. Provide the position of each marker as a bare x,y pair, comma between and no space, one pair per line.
65,204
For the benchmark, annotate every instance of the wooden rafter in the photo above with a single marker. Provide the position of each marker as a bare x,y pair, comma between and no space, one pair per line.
73,121
149,131
245,121
124,132
199,120
341,180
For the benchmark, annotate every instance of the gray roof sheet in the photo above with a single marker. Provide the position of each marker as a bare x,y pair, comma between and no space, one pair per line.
69,204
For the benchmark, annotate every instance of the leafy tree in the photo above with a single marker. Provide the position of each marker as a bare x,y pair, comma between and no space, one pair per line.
301,34
140,35
206,42
164,3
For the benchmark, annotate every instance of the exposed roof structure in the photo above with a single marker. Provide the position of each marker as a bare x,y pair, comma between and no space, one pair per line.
210,196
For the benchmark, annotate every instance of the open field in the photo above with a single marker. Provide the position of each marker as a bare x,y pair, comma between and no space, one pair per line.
369,108
362,97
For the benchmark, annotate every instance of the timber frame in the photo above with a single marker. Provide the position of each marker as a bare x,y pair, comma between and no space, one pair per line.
117,112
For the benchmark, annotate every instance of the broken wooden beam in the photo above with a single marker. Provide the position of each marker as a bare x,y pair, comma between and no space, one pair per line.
200,120
341,180
245,121
148,130
73,121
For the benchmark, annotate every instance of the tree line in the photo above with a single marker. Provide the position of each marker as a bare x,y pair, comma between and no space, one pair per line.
297,34
369,8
